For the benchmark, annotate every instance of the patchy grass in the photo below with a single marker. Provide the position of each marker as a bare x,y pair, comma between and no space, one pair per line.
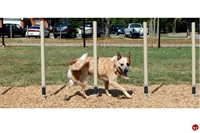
21,66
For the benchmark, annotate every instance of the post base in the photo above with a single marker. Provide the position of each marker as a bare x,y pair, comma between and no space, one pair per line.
44,92
44,97
146,91
193,91
96,93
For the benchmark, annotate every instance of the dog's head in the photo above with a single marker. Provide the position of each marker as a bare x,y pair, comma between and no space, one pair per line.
123,64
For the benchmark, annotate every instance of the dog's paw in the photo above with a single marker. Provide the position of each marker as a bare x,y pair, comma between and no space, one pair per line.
108,94
129,96
65,97
86,97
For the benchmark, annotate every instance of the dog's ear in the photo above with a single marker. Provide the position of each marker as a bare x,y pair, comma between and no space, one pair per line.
128,55
118,56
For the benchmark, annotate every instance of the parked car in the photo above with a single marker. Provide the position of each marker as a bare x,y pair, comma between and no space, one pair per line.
80,29
117,29
64,29
16,30
89,30
34,31
133,29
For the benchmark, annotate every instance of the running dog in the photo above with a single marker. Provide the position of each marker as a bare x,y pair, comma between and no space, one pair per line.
109,69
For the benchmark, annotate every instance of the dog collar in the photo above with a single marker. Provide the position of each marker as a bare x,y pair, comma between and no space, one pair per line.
117,71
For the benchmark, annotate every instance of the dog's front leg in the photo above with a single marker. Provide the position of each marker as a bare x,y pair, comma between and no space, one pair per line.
120,87
107,88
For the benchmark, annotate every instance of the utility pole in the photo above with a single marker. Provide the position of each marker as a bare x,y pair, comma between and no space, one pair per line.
2,33
83,32
158,31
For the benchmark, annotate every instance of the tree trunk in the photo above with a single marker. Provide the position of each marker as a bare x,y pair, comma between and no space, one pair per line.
107,27
102,25
158,27
150,29
174,27
188,27
154,27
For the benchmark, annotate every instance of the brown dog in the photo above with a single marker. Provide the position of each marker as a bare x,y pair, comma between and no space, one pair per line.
109,69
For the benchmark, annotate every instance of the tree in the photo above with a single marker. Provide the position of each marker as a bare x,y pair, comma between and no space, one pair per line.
150,29
174,26
154,27
158,21
107,27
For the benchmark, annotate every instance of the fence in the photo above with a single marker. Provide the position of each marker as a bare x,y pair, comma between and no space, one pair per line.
113,40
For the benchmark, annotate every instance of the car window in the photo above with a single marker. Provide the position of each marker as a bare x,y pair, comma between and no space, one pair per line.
120,27
135,26
8,25
18,26
60,24
34,27
88,25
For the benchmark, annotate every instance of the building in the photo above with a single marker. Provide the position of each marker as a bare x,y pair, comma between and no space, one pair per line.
21,21
36,21
24,22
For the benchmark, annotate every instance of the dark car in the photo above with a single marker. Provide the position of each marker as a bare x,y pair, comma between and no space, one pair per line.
89,30
117,29
16,30
64,29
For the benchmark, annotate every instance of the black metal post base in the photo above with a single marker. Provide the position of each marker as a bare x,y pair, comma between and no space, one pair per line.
96,93
44,92
146,91
193,91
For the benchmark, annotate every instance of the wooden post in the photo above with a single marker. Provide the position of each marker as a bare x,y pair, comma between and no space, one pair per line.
10,31
193,61
95,57
145,59
42,59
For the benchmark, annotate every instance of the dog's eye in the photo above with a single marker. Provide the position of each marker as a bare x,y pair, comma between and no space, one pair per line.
127,64
121,64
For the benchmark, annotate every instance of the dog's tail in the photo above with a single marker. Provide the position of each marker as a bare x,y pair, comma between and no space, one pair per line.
78,63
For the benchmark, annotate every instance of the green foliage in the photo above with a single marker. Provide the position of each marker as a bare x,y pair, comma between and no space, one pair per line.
126,21
166,23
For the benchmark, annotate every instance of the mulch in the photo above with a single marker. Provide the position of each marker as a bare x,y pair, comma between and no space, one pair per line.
160,96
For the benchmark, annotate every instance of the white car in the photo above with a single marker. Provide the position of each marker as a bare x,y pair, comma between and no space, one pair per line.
89,30
34,31
79,30
133,29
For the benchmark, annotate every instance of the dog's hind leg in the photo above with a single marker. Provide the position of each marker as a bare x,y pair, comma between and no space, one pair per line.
106,83
68,85
83,86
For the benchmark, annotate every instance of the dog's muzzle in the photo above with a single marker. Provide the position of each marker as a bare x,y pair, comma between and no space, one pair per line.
125,70
125,74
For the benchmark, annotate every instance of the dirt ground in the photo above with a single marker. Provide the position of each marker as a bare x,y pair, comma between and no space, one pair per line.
160,96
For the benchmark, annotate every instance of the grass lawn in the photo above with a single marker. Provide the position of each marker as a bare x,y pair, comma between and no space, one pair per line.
20,66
